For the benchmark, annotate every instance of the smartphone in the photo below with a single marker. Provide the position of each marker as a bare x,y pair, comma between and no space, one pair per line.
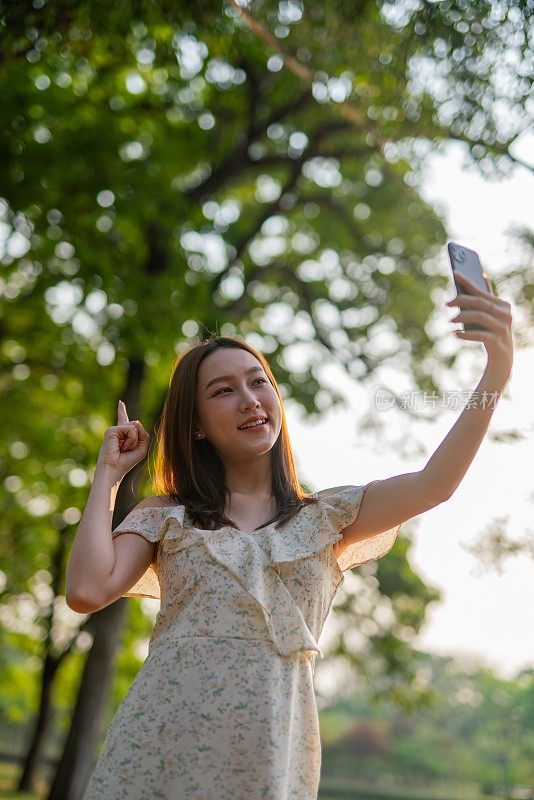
468,263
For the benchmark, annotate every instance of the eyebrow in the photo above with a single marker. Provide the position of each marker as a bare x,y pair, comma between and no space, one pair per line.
229,377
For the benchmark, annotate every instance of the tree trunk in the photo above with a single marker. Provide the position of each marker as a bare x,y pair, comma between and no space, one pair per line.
51,661
31,763
78,758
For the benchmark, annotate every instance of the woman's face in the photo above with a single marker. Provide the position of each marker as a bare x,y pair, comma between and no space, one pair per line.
222,406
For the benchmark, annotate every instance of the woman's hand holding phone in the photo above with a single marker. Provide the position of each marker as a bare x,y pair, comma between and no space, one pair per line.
494,314
125,444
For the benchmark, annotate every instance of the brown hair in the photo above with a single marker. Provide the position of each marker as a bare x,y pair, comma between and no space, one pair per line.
190,471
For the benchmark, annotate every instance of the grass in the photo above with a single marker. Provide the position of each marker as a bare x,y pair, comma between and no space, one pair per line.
9,774
330,789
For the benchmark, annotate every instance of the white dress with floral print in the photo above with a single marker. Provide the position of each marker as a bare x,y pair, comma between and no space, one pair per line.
223,708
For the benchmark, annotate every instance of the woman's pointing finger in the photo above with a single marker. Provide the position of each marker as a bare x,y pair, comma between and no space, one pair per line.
122,414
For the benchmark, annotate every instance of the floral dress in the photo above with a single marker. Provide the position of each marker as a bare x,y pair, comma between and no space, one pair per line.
223,708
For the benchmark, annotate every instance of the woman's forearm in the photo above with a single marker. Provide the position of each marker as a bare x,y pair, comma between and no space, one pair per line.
92,557
448,465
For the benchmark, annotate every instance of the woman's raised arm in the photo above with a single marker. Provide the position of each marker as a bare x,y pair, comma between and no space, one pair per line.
388,502
92,557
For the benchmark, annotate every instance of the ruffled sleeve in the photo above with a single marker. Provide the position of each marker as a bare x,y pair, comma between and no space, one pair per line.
341,508
151,523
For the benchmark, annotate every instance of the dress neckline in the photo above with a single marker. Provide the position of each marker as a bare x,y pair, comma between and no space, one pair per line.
211,530
223,527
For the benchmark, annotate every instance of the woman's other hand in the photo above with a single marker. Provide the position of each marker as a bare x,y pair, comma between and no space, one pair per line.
125,444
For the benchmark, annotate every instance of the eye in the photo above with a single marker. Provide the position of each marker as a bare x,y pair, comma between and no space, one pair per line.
227,387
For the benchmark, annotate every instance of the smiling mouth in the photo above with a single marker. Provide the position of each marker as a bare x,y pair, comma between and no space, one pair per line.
253,427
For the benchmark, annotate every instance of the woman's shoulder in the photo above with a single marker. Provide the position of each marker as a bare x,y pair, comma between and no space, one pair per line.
155,501
332,490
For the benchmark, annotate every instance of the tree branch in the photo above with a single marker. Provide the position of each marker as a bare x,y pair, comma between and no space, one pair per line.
253,231
273,160
239,158
355,115
296,165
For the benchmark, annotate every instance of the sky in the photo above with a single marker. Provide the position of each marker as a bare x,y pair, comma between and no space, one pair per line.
483,614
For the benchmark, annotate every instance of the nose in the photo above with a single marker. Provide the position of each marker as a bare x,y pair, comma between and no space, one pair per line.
249,399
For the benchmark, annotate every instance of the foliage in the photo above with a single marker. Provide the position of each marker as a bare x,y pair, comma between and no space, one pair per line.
167,171
478,730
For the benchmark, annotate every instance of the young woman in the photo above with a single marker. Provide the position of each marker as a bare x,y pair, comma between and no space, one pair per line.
247,566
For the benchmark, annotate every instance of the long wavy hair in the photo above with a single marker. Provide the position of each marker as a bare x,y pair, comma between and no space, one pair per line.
190,470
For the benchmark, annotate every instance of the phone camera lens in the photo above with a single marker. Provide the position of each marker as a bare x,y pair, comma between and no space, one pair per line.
459,255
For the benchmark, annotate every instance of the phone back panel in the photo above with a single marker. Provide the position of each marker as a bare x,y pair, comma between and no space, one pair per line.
467,262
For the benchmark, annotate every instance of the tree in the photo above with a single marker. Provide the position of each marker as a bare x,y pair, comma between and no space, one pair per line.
170,170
